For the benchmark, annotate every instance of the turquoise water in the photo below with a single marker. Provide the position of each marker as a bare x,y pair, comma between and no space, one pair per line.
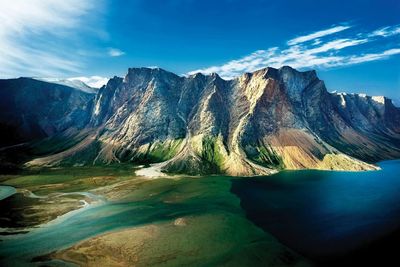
6,191
82,224
319,214
326,215
18,250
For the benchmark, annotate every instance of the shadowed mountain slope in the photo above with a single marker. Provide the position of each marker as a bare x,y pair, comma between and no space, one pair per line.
255,124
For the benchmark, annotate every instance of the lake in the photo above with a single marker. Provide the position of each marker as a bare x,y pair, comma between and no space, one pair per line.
331,218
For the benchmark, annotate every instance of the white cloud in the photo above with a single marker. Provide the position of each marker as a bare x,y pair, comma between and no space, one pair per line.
34,35
85,84
336,45
114,52
249,63
373,56
386,31
315,35
92,81
317,41
320,53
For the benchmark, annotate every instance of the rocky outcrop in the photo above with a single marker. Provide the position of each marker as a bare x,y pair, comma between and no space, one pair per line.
255,124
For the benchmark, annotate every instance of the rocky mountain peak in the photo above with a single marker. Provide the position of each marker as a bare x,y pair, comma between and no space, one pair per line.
142,76
261,121
197,75
379,99
295,82
144,71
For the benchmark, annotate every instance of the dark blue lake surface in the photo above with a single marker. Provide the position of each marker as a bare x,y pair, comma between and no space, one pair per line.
328,216
332,218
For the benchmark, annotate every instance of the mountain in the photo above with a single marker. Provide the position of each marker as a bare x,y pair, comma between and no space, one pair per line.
258,123
38,118
32,110
74,83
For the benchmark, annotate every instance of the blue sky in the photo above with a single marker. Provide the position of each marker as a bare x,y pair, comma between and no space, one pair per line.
354,45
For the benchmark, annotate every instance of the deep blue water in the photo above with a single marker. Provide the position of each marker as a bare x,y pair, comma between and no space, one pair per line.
331,217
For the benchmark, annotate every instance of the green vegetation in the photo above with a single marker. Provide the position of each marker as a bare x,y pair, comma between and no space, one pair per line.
267,157
211,153
56,143
159,151
163,151
47,180
57,191
180,221
85,156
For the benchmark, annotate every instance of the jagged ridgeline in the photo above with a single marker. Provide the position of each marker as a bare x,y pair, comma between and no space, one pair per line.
258,123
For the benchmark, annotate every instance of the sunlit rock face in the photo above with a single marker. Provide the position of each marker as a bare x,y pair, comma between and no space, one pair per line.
255,124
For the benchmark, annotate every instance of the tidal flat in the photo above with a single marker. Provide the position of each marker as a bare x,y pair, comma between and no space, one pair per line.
107,216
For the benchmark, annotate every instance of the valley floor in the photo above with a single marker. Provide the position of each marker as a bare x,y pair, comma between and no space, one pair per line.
130,216
106,216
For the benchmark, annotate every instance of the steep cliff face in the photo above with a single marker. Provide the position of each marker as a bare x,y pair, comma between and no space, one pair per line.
255,124
32,109
363,126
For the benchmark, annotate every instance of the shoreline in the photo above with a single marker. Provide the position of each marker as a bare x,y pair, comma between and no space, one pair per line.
150,244
155,171
173,194
83,205
152,172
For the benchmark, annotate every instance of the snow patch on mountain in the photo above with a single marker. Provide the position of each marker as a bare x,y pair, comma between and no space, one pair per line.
86,84
93,81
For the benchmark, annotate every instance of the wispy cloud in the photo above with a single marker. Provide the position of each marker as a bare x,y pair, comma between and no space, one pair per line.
318,34
373,56
114,52
38,36
335,45
317,50
386,31
92,81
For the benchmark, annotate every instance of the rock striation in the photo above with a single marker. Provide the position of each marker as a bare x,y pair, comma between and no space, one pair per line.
255,124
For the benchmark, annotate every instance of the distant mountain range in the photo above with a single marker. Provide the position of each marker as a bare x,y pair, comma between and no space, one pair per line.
256,124
74,83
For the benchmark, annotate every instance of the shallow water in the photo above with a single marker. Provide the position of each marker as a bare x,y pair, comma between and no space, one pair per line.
6,191
319,214
325,215
203,196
